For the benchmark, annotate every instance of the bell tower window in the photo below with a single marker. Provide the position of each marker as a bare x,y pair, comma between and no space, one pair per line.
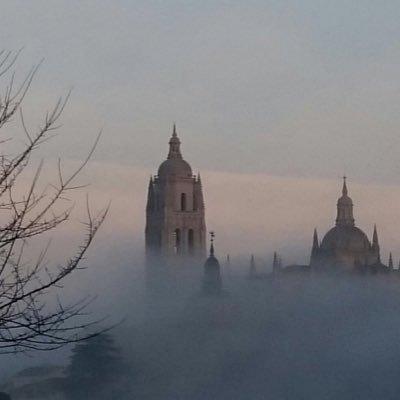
183,202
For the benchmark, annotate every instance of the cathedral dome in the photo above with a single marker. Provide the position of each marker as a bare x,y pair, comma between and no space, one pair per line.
175,166
345,247
348,238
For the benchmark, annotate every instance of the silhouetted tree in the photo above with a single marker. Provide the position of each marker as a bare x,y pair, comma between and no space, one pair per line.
97,370
26,319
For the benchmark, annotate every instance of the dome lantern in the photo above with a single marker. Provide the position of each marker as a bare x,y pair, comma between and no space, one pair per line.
345,208
175,165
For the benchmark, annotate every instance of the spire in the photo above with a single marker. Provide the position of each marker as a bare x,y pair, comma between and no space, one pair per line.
375,244
315,239
375,241
276,263
174,135
212,236
390,265
315,248
344,190
345,216
174,146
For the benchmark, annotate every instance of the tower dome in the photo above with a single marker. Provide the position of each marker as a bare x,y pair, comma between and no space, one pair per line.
174,165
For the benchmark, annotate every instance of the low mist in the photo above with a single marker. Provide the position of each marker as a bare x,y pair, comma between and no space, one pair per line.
300,336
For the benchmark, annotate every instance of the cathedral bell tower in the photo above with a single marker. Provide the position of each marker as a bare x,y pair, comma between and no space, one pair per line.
175,213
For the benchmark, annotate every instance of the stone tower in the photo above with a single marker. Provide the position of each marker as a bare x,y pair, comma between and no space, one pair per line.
175,213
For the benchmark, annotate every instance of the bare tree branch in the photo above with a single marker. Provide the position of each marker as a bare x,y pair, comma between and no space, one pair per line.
27,320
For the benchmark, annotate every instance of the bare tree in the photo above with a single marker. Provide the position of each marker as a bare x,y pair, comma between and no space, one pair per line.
27,320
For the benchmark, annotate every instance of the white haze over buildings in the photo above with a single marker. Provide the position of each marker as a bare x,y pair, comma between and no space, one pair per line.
273,103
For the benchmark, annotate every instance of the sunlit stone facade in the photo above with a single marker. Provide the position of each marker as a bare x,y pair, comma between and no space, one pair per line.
175,213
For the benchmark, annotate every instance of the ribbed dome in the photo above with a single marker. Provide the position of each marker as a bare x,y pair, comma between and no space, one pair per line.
345,200
348,238
175,166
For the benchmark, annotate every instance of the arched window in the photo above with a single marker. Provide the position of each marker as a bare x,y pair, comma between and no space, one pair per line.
178,241
183,202
191,241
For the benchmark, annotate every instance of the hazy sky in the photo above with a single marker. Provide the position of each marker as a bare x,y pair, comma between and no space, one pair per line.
305,91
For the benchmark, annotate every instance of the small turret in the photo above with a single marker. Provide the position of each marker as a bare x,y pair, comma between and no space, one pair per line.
315,248
212,282
375,244
390,263
252,269
375,241
276,263
315,239
198,202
